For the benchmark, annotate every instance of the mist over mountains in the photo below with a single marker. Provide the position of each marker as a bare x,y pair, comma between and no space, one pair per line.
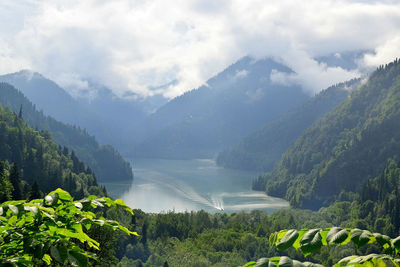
102,113
263,148
233,103
244,97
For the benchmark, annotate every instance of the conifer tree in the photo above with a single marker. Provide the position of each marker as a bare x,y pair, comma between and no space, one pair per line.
35,192
20,112
5,184
15,179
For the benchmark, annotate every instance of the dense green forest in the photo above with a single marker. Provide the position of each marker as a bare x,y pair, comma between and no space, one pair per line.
104,160
262,149
31,162
202,239
353,180
343,149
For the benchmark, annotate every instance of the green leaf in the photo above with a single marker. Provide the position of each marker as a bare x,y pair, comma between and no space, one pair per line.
288,240
302,232
122,204
311,241
263,262
360,237
382,240
49,200
77,258
62,194
13,208
396,243
272,238
33,209
59,253
285,262
97,203
47,259
337,235
368,260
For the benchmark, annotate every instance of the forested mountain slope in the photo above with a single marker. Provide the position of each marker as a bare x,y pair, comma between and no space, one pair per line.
36,158
111,119
263,148
237,101
343,149
104,160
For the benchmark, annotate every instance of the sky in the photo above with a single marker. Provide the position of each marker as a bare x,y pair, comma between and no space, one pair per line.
168,47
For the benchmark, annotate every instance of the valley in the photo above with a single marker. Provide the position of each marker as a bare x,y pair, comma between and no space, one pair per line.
200,133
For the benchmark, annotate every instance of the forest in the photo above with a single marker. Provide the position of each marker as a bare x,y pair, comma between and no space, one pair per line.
104,160
359,217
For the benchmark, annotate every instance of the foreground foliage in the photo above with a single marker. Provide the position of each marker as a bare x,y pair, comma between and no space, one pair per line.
52,230
312,240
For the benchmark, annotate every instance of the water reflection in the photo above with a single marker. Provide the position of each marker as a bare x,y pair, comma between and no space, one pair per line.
185,185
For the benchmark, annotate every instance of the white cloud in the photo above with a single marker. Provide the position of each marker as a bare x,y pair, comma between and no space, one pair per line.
133,45
384,53
241,74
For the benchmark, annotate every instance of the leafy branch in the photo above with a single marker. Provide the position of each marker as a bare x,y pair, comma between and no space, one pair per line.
48,231
311,240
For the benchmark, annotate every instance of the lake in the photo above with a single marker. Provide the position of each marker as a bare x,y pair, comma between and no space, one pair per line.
184,185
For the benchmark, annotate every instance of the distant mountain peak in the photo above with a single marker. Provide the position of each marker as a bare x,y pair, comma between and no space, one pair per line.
27,74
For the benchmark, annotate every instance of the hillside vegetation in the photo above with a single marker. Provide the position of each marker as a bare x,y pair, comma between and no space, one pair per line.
31,161
343,149
104,160
262,149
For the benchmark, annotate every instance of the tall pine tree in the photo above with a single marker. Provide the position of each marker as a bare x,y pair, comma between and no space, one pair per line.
15,179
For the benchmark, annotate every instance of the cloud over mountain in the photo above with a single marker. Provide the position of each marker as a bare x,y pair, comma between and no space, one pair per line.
139,45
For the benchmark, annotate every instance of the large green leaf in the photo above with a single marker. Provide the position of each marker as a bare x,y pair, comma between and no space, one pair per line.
282,261
382,240
59,253
62,194
288,240
360,237
263,262
77,258
369,260
311,241
337,235
396,244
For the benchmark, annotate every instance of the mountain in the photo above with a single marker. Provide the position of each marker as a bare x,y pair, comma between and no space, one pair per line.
111,119
262,149
36,159
235,102
343,149
120,116
104,160
346,60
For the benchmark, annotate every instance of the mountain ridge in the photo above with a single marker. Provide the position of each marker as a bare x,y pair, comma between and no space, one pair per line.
262,149
344,148
201,122
104,160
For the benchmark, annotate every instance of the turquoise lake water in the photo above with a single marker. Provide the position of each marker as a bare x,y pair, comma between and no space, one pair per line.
185,185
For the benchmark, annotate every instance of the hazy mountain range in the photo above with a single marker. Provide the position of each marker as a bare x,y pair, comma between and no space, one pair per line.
245,97
263,148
